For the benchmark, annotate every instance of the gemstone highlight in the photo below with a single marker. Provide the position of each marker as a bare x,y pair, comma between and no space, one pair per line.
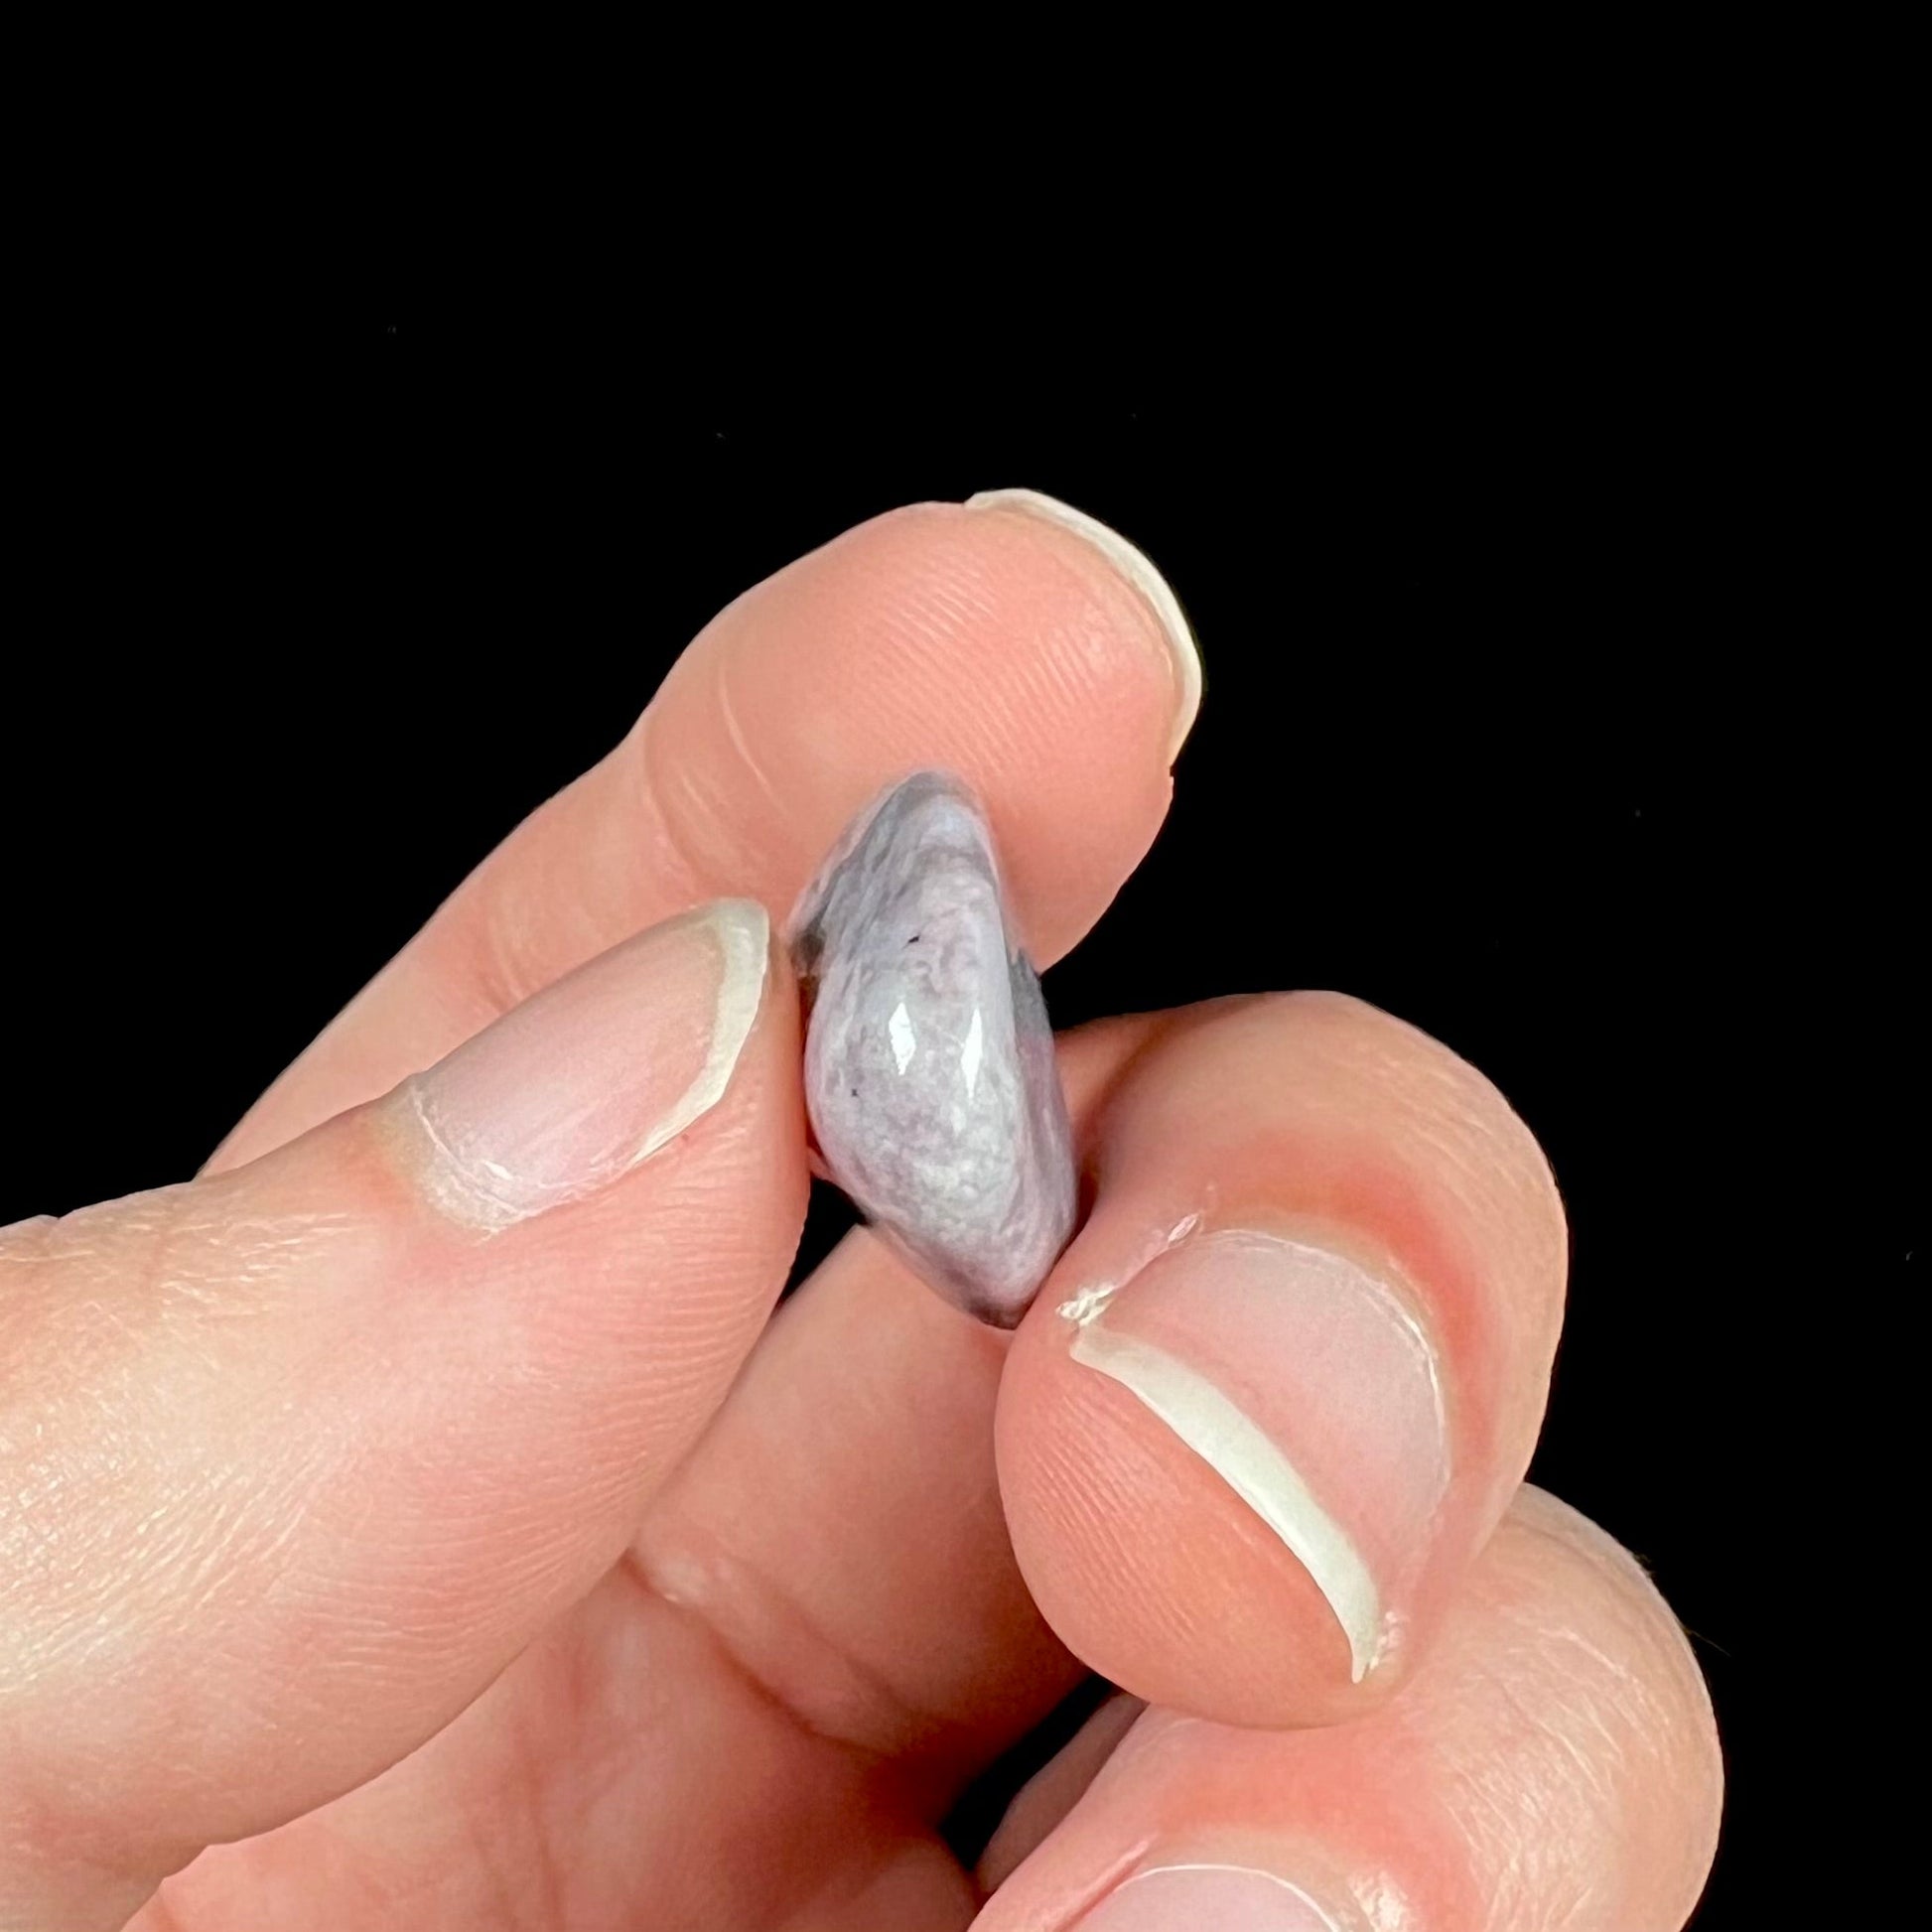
930,1074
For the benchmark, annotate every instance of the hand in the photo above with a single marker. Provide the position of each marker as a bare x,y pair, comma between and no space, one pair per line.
428,1498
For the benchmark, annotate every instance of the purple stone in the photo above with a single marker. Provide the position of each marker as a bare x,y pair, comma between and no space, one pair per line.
929,1072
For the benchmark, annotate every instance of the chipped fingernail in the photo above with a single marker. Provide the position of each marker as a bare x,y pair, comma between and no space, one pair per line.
1305,1382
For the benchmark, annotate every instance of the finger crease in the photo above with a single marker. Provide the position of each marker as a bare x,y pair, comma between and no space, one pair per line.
771,1644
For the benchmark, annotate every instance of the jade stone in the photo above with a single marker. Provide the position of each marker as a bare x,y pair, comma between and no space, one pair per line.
929,1075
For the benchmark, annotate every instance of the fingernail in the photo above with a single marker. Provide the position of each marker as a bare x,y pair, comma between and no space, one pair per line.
1228,1897
1139,572
590,1076
1307,1382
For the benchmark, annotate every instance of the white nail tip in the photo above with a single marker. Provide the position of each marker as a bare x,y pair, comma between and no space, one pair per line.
1249,1463
1139,571
743,935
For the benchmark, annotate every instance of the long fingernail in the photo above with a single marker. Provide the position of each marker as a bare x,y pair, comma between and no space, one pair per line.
1306,1381
1228,1897
590,1076
1135,565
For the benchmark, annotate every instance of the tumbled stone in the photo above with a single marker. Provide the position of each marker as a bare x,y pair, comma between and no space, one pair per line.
930,1074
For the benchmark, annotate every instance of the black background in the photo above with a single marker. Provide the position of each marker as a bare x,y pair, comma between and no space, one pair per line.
1517,723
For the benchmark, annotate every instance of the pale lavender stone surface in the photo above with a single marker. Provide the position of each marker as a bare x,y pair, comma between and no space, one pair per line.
929,1072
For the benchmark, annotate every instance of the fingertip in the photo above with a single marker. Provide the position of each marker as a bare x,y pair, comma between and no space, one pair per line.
1133,565
1148,1567
1280,1387
997,647
1551,1764
1544,1547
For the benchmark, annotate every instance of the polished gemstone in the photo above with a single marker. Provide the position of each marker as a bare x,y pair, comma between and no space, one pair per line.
930,1074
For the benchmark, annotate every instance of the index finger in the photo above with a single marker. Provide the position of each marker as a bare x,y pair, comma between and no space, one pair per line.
1011,639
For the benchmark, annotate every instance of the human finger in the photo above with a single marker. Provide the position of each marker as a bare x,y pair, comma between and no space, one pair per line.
1552,1762
1010,640
295,1458
1278,1393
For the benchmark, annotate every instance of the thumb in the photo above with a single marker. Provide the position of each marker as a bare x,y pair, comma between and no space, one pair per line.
295,1458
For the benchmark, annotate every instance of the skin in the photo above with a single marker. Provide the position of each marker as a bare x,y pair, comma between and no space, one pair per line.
548,1580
